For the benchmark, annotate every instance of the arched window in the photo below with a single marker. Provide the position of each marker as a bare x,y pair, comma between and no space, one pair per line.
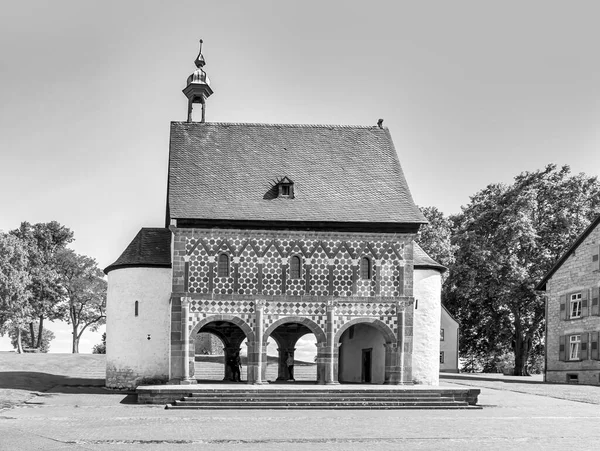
365,268
137,308
295,267
223,268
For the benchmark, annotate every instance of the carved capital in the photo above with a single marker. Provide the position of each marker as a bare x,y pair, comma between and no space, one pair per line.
284,261
236,259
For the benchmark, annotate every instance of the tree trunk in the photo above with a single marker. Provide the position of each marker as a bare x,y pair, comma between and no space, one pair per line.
40,332
521,350
31,335
75,341
19,341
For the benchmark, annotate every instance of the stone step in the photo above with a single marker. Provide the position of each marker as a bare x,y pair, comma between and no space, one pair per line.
317,401
300,396
369,406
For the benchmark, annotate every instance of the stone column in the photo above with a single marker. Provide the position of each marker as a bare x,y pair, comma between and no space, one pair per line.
331,355
257,351
393,367
322,365
185,313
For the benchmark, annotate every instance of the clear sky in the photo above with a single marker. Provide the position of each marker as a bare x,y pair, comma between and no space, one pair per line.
473,92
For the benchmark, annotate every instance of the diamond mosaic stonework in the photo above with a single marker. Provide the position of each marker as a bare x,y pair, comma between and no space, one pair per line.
260,265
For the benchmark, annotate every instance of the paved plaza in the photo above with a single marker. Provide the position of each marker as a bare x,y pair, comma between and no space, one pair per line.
78,417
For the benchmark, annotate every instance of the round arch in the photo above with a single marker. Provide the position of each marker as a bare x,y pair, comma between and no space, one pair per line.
314,327
229,318
388,335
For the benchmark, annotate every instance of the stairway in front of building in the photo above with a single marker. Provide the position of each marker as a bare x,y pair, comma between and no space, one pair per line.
320,397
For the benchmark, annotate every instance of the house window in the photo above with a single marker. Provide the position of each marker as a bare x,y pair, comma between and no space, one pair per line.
441,356
575,307
136,308
295,267
285,190
441,334
365,268
575,341
223,267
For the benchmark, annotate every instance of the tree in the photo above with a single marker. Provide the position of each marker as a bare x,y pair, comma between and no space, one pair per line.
14,333
100,348
15,309
43,241
436,237
85,290
508,237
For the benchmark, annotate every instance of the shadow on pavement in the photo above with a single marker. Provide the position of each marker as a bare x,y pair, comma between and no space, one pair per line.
474,377
50,383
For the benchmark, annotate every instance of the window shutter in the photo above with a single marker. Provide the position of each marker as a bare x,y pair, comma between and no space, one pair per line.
563,307
596,257
583,355
584,302
595,301
561,348
594,346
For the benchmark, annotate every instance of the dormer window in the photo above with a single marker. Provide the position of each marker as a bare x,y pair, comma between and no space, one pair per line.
286,188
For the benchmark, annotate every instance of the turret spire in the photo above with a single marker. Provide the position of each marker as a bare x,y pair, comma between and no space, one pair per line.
198,87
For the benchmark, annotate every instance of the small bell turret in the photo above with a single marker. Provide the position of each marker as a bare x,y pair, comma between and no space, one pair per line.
198,87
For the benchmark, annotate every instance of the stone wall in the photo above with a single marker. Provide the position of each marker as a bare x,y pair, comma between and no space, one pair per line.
578,274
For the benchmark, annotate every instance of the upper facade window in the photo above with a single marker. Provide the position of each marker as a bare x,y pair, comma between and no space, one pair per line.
575,306
295,267
441,334
575,345
223,266
286,188
365,268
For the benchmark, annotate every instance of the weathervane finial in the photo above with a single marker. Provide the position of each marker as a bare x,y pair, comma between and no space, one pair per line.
200,62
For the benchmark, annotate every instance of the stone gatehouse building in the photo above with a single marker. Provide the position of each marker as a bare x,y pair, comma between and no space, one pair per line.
572,314
273,232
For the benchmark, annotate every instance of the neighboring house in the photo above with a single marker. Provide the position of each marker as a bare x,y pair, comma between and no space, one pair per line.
448,343
273,232
572,316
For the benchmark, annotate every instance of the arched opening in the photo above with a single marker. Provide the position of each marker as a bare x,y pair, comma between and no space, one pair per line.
362,352
292,350
219,355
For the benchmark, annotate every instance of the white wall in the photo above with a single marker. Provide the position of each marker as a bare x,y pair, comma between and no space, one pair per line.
130,356
350,354
426,326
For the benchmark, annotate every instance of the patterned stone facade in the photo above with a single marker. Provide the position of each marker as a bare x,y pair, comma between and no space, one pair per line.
576,280
258,293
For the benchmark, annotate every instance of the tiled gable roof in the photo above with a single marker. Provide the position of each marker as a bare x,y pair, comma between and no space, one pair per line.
423,261
582,236
341,174
151,247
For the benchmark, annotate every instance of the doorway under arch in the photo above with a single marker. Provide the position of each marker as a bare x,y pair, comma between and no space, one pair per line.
362,352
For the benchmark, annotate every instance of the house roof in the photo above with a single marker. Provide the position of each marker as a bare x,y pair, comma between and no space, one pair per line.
423,261
582,236
450,315
151,247
226,171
